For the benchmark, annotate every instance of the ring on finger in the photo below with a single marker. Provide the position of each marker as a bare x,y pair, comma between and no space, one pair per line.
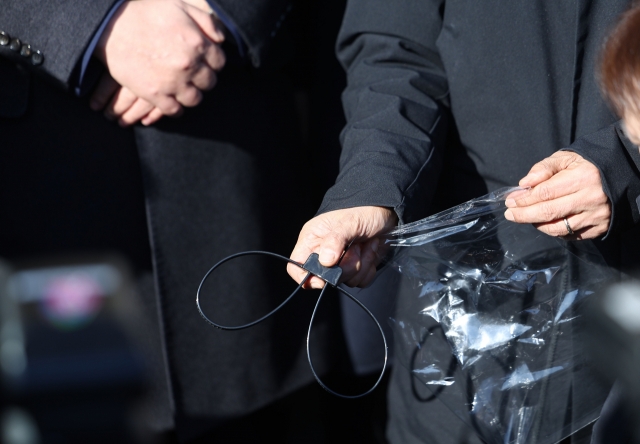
566,224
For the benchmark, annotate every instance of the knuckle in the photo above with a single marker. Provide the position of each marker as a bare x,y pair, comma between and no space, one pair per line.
547,212
154,92
544,192
197,41
212,81
171,109
183,62
191,97
220,58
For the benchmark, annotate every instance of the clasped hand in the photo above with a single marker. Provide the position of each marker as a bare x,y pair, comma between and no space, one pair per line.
563,186
160,56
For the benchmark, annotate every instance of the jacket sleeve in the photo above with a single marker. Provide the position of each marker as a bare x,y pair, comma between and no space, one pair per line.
396,107
257,22
59,29
618,160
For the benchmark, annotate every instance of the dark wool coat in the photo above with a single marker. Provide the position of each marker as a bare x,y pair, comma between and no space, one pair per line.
223,178
449,99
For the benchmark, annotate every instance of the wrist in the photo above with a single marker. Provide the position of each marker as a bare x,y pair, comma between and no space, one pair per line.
100,51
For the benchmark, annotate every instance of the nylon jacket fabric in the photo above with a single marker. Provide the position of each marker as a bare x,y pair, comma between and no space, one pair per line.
450,99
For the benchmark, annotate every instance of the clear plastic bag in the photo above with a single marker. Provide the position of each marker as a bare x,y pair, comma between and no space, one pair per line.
489,316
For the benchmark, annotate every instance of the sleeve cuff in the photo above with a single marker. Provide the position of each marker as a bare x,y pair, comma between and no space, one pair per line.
616,158
81,88
230,27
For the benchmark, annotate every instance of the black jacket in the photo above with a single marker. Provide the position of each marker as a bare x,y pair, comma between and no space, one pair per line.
449,99
485,90
221,179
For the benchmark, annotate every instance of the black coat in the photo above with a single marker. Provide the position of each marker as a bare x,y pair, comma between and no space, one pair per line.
223,178
449,99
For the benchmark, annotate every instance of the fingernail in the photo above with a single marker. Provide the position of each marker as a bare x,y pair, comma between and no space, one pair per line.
508,215
375,244
510,203
327,257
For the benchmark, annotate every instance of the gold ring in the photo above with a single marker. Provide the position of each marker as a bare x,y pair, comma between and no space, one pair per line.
566,223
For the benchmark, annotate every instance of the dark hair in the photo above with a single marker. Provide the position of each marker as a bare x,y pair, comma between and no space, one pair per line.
620,63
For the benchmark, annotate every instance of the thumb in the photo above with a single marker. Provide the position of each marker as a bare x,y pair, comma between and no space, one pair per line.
541,171
206,22
332,247
103,93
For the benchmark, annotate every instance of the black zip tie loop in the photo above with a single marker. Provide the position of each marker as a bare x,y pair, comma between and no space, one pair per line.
313,267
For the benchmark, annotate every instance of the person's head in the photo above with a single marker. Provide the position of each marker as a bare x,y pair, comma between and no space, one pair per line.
620,71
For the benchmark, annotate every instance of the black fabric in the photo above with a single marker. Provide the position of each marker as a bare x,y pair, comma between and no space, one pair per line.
234,191
224,177
69,182
449,99
617,158
257,34
615,421
408,64
60,29
14,91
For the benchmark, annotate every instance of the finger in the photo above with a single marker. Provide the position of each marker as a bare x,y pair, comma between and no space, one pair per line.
152,117
103,93
300,253
546,168
546,211
299,274
558,228
368,259
200,4
214,57
587,224
120,103
589,233
562,184
369,279
189,96
168,105
136,112
204,79
351,265
206,22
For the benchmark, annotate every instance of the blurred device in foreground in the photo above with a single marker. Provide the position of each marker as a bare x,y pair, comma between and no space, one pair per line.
69,359
615,340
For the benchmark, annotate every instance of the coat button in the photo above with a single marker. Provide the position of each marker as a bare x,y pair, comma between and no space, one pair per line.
25,50
36,58
15,45
4,38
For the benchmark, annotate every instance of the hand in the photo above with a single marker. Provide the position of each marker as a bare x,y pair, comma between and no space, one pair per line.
563,186
122,104
330,233
163,51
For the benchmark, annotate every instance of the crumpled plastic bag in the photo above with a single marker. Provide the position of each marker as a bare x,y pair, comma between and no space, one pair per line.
490,317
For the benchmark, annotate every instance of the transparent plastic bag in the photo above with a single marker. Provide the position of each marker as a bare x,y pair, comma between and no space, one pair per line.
489,316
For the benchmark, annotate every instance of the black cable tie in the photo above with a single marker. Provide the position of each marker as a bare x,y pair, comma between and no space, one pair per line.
331,275
312,266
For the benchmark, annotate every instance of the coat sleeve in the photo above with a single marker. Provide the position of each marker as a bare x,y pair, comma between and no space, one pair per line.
618,160
396,106
59,29
257,22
